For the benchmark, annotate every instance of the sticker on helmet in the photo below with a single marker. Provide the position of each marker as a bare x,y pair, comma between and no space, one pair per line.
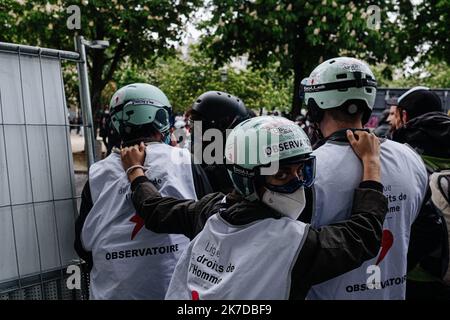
353,67
286,145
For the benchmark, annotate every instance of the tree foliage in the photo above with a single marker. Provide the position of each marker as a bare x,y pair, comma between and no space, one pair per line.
425,27
300,34
183,80
432,74
140,30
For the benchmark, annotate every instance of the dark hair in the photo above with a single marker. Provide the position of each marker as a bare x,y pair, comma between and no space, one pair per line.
137,134
348,112
420,102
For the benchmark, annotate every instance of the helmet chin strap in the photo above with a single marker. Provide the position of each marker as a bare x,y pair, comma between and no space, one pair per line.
166,138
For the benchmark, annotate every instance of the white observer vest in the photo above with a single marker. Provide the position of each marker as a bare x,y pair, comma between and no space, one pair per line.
404,178
131,262
253,261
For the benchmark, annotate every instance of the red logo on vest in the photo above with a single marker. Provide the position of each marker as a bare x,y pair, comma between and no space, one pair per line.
139,224
386,244
195,295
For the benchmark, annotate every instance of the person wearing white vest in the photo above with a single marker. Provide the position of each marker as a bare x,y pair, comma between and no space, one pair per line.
128,261
340,94
249,243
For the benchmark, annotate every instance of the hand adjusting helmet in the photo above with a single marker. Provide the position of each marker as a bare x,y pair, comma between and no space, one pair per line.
343,82
138,109
258,146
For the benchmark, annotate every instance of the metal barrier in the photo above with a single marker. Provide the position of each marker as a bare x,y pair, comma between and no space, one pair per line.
38,201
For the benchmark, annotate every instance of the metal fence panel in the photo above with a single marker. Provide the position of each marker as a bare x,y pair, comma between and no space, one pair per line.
33,102
37,193
40,163
11,89
4,196
8,262
17,167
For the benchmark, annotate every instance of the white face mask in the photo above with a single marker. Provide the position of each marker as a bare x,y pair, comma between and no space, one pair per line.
288,204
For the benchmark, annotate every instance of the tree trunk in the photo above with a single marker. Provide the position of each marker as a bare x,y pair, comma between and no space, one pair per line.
97,83
298,74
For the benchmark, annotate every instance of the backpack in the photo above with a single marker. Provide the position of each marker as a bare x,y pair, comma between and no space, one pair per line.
440,197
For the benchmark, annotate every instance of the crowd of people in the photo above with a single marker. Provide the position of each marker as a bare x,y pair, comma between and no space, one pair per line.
219,203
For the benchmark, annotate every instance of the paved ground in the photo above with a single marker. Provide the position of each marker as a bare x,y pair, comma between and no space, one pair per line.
77,142
79,161
80,180
79,157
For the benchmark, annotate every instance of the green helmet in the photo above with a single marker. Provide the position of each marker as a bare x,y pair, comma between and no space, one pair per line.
258,143
340,82
136,106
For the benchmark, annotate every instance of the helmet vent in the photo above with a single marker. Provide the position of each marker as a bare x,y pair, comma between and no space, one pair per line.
341,76
219,93
229,96
343,89
369,90
199,100
352,109
332,61
161,116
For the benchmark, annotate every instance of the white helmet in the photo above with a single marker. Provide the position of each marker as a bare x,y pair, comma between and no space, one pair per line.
340,82
259,141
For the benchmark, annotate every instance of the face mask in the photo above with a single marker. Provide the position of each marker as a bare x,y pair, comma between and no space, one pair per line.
288,204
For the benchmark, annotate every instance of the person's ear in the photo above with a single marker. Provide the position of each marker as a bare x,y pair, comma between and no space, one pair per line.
405,117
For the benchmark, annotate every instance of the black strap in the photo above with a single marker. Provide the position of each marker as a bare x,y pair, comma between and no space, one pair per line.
445,193
355,83
341,135
149,102
338,136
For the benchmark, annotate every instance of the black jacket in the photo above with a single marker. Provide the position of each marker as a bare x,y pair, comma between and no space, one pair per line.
327,252
429,135
201,184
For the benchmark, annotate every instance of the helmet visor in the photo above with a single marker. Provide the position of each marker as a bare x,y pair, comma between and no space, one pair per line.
306,173
143,111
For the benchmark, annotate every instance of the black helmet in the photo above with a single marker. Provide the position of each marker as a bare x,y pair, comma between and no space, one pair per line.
216,110
418,101
219,110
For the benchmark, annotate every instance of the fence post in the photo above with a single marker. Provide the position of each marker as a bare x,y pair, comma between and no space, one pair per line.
85,100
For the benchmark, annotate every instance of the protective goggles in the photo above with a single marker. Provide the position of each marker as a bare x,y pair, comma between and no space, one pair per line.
306,173
143,111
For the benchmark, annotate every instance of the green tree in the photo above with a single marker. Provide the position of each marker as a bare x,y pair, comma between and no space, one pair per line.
434,74
139,30
183,80
300,34
425,26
